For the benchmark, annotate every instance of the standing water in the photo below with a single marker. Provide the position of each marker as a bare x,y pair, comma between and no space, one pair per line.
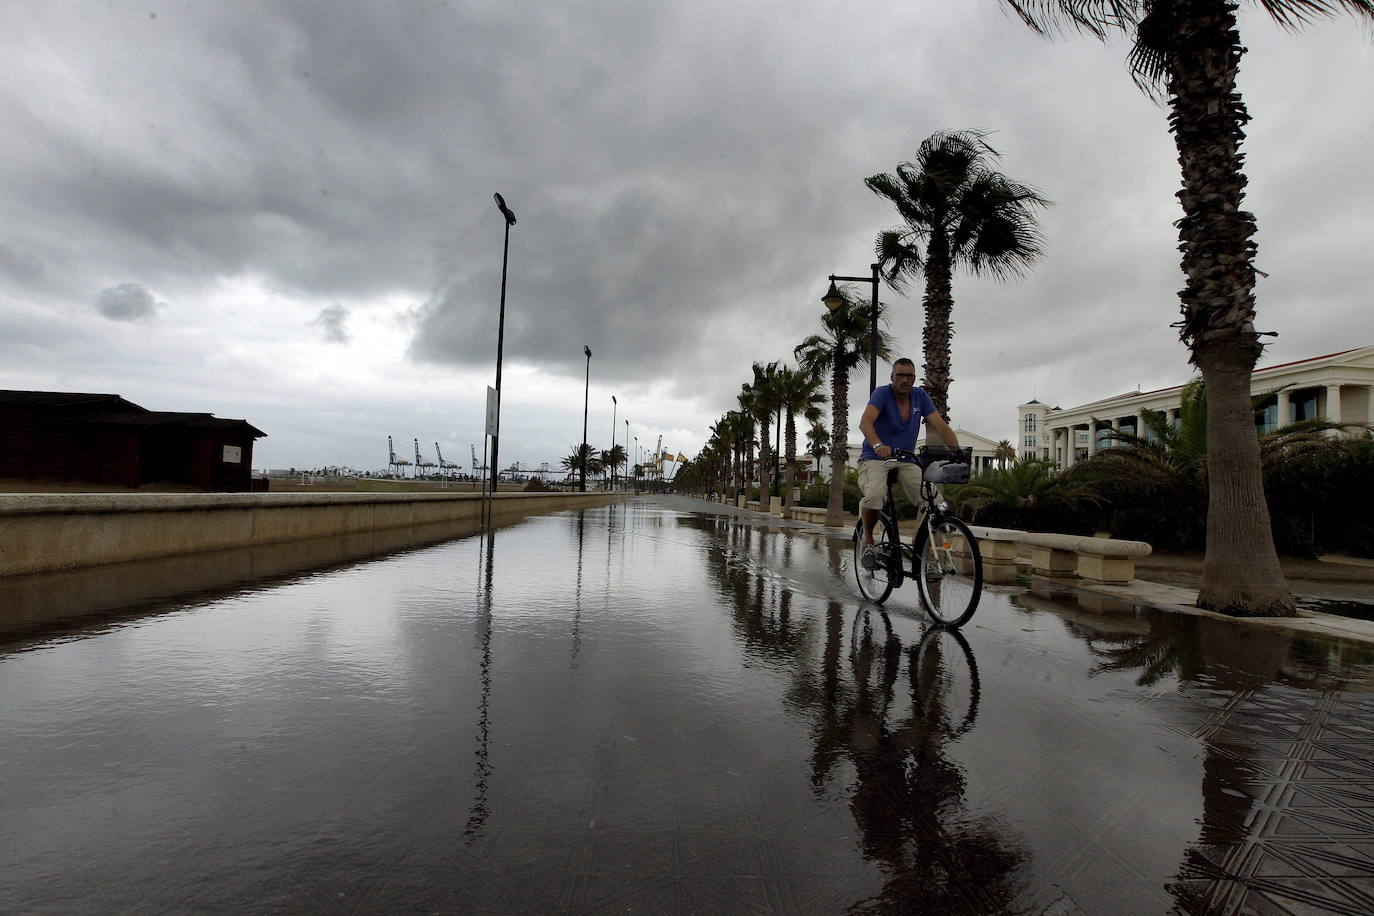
650,707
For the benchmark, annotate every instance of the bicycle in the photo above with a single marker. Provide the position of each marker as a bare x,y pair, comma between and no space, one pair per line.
945,561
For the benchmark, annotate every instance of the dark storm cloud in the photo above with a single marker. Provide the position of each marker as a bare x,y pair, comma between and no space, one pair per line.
332,323
685,177
127,302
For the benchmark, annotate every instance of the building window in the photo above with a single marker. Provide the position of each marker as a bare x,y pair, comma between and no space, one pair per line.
1030,422
1305,405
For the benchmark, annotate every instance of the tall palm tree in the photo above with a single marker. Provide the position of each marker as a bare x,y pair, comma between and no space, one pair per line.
746,409
1188,53
763,402
958,212
799,393
842,345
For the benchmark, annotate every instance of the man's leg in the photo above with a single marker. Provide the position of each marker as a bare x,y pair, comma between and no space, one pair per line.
873,485
870,518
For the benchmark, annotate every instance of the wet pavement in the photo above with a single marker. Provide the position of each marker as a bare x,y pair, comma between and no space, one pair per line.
655,708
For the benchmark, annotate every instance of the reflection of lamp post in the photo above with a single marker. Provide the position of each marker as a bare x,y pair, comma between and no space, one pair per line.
500,336
586,393
627,449
614,406
833,300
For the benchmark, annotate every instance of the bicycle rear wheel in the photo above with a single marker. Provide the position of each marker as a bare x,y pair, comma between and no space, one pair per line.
949,571
876,584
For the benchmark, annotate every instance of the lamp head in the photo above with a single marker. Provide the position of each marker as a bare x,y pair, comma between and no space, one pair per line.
587,350
505,211
832,298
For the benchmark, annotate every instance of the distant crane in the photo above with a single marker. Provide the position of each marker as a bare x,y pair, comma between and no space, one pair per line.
477,469
420,463
444,465
396,465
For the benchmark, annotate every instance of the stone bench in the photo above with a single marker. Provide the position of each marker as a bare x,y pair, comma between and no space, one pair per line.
1104,560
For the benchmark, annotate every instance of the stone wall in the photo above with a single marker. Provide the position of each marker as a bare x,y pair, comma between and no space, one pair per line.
43,533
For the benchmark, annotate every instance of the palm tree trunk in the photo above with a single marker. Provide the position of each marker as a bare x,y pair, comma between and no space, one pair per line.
791,455
935,336
1241,572
748,461
764,481
839,437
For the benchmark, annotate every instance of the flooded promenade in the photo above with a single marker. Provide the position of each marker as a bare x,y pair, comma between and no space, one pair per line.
650,707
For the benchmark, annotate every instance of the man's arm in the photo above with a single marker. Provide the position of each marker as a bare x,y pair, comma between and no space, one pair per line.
871,434
941,428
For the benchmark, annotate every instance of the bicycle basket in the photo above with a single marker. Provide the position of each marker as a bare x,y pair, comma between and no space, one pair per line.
953,464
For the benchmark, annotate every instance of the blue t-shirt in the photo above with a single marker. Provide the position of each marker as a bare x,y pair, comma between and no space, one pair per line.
891,430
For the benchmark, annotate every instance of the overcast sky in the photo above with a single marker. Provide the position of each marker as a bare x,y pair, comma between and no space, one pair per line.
282,211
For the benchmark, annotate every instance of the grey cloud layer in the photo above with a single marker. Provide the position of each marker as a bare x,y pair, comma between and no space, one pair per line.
685,175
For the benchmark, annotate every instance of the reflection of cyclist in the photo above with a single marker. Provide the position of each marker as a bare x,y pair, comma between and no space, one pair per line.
891,420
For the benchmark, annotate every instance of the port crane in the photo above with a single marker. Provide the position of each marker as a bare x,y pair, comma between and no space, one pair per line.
396,465
444,465
477,469
420,463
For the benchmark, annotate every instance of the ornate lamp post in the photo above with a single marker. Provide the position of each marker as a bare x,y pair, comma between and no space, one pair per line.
833,300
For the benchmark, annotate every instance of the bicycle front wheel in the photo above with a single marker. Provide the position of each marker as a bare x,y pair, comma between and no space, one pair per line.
949,571
876,584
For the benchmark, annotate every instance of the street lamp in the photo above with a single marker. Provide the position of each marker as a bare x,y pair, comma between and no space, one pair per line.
586,393
615,405
627,451
636,462
500,337
833,300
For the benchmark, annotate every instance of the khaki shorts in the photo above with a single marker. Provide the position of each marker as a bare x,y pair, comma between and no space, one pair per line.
873,482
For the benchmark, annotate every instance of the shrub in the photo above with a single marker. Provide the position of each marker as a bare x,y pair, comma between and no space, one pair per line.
537,485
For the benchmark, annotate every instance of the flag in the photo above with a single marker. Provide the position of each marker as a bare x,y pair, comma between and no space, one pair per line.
681,457
667,456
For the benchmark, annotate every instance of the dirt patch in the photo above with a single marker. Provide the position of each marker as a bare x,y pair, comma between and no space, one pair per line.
1307,578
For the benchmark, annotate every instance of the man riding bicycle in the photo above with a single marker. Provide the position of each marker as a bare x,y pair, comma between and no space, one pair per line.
892,420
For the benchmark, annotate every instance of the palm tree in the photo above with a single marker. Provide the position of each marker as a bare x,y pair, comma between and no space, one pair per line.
958,212
1005,454
1189,52
763,402
818,442
613,458
842,345
799,393
582,454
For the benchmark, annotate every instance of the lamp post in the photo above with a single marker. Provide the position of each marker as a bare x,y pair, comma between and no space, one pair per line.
500,337
586,393
833,300
636,463
614,406
627,450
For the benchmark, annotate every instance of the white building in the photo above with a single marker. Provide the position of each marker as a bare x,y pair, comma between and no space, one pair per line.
984,449
1334,387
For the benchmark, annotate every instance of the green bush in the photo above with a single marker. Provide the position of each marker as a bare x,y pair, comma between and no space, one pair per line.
1320,502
